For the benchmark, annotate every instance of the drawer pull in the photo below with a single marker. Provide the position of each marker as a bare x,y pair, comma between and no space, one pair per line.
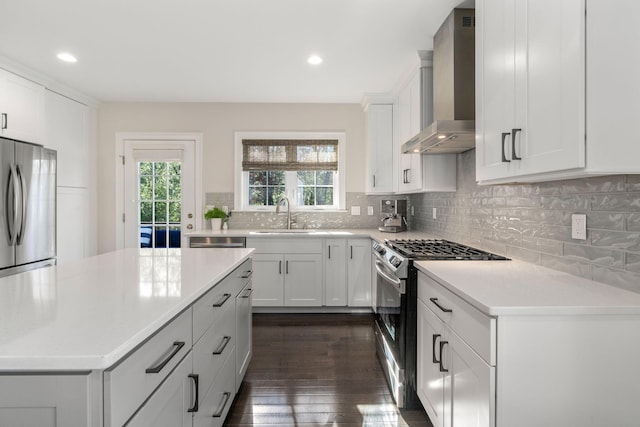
433,348
222,346
247,293
155,369
435,301
246,274
196,381
222,300
442,368
223,404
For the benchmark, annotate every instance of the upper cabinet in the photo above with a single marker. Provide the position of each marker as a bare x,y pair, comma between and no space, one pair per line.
549,90
380,158
409,172
67,131
21,108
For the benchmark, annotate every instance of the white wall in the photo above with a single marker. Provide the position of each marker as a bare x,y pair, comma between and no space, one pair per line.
218,122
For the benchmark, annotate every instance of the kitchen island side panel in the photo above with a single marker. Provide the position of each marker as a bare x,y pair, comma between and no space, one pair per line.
562,371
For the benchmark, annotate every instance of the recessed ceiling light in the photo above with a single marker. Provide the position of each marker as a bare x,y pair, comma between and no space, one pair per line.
314,60
67,57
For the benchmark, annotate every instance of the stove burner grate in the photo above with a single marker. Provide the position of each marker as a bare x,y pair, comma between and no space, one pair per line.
439,249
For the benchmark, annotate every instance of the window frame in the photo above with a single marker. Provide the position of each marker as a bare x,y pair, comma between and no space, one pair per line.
241,177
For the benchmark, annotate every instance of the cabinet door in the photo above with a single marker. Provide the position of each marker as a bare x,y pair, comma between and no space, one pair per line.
409,168
359,272
21,106
244,333
472,384
66,124
268,280
335,273
495,81
72,224
550,86
430,381
169,405
380,146
45,400
303,280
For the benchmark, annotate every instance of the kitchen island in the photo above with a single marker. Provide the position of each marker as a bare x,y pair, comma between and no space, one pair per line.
69,335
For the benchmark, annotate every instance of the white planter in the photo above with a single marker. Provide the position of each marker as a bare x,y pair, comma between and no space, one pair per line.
216,223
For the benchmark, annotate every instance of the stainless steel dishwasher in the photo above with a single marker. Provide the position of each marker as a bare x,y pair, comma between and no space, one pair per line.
217,242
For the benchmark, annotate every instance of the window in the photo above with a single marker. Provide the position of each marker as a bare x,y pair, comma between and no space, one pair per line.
307,168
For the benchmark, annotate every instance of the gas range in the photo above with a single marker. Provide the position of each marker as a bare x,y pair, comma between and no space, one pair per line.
398,254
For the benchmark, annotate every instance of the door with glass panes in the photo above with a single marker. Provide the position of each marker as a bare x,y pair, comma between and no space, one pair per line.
159,196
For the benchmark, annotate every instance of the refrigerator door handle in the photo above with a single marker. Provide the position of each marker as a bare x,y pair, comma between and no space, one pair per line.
23,205
11,210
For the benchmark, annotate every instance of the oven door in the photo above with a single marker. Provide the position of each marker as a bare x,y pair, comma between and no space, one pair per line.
391,307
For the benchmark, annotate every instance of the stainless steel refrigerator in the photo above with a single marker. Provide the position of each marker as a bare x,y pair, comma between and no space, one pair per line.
28,200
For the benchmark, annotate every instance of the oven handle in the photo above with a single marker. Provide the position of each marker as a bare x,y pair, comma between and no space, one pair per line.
397,283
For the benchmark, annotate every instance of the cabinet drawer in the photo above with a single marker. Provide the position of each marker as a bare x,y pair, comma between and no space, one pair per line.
211,305
475,328
132,380
210,353
215,405
294,245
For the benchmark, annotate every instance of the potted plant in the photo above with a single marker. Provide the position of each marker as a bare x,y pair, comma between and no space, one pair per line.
216,215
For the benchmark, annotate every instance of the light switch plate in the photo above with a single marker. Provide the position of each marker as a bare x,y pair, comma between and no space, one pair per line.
434,216
579,226
369,210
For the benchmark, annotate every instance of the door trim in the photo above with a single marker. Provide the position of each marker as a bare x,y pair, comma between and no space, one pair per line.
170,137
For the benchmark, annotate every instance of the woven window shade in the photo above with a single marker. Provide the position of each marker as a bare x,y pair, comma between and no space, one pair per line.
289,155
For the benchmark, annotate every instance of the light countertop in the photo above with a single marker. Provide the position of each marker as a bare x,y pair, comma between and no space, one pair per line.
319,232
520,288
88,314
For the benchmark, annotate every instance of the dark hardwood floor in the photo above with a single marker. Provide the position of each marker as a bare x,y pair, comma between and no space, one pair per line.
316,370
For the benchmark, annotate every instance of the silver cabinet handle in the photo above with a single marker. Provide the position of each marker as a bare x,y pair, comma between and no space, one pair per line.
5,121
513,144
279,267
223,404
247,293
222,346
435,337
246,274
329,251
374,181
222,300
286,268
155,369
504,156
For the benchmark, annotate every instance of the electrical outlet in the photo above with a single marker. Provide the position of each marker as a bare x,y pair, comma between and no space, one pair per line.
412,211
355,210
369,210
579,226
433,215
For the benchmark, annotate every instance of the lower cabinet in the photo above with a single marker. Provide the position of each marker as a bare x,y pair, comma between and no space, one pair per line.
172,403
359,272
287,272
244,336
454,383
335,273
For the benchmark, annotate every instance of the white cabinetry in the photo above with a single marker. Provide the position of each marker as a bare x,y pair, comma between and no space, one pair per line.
456,359
538,75
67,132
335,272
380,148
359,272
287,272
244,336
416,172
21,108
45,400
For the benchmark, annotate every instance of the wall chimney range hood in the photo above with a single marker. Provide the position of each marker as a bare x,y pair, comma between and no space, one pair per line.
453,129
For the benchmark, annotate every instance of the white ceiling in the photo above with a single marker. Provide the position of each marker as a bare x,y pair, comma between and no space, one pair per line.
221,50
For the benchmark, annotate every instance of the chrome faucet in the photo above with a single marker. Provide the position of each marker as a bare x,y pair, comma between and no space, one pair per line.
278,203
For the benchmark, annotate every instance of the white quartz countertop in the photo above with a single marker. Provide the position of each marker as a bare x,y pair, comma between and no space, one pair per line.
520,288
319,232
88,314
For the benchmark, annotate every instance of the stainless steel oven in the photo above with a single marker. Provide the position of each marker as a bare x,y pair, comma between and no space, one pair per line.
397,300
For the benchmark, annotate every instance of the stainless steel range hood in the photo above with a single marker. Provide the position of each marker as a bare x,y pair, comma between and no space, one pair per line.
453,129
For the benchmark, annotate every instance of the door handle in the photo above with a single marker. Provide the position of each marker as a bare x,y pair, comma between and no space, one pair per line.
196,382
435,337
441,367
513,144
504,156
